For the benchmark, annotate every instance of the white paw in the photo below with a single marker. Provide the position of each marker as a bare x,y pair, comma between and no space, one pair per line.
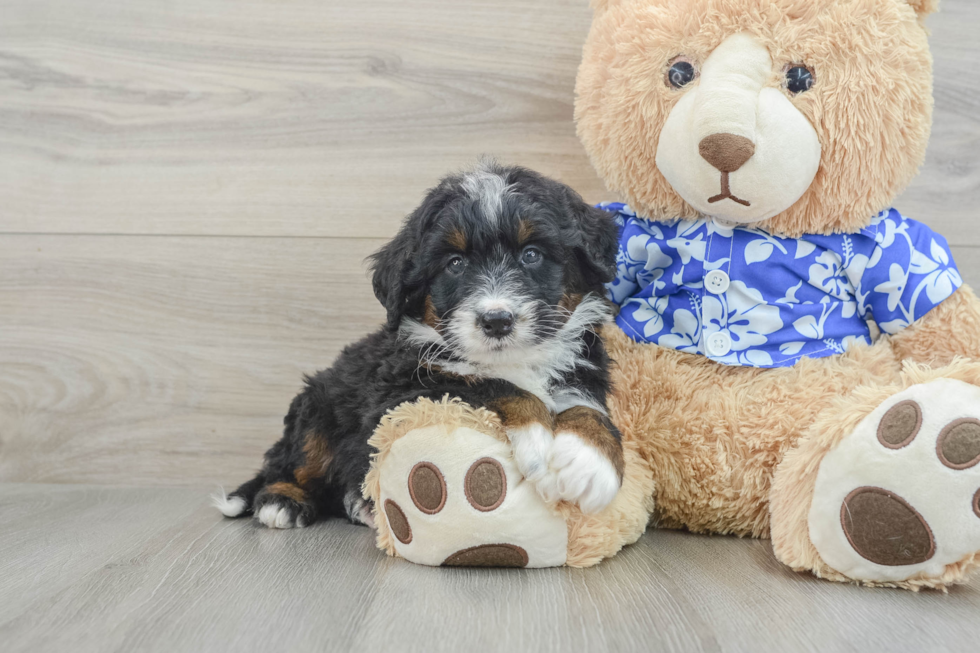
900,496
532,448
274,515
582,474
228,506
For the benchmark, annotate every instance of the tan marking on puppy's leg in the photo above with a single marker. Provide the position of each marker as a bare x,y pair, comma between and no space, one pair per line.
520,410
594,429
287,490
318,456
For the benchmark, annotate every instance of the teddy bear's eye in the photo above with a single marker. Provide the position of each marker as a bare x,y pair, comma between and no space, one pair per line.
681,73
799,79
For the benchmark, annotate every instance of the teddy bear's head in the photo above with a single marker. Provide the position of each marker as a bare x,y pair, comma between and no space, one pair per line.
800,116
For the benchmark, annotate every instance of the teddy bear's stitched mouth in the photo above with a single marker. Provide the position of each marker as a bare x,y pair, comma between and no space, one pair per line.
726,193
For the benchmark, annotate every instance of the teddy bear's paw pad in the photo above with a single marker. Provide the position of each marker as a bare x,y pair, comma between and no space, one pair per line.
485,485
899,498
488,555
883,528
458,499
398,522
427,487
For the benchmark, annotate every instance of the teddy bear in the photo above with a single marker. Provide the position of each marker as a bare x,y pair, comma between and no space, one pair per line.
794,358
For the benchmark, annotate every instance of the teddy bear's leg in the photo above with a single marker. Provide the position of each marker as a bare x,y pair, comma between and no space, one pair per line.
885,487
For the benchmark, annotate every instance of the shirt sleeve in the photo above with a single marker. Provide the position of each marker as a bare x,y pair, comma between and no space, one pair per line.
910,271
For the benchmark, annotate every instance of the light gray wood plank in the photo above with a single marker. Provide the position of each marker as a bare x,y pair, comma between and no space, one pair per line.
280,118
330,119
154,360
122,569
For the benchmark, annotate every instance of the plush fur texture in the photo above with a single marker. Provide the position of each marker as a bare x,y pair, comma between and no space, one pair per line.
793,485
873,140
739,450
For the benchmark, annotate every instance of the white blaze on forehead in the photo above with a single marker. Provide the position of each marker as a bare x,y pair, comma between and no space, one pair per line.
489,189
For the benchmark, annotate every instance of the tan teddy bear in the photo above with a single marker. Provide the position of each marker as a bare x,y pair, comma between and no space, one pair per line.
795,359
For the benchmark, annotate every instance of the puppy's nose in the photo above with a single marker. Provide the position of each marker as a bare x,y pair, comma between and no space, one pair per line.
497,324
726,152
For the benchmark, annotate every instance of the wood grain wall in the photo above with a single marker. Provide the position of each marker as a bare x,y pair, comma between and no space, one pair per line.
188,190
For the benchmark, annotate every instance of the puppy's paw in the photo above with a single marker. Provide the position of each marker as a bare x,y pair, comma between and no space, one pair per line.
277,510
532,447
229,506
359,511
275,515
582,473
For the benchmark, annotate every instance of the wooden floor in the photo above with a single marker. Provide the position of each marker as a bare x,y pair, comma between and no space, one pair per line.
187,192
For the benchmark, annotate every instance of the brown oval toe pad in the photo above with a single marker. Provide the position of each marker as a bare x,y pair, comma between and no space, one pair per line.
900,425
488,555
485,485
958,446
427,486
883,528
398,522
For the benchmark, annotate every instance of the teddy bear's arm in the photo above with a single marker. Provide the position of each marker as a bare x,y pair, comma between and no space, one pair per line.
949,330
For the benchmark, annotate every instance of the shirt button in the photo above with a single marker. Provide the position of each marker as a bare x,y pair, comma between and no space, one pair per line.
719,344
717,282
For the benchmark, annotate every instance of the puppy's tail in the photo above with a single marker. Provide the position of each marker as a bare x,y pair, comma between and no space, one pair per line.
239,503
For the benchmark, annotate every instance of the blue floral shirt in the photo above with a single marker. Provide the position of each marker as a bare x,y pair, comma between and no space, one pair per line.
741,296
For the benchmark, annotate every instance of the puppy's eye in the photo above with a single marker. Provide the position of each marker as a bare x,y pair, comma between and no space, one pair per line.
531,256
681,72
455,265
799,79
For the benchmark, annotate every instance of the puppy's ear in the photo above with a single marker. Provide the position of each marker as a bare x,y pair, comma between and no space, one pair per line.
399,278
392,264
596,241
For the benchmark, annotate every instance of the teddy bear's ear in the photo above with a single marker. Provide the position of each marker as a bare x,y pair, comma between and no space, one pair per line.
924,7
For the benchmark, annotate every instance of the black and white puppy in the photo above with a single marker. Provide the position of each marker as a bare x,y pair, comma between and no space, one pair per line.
493,289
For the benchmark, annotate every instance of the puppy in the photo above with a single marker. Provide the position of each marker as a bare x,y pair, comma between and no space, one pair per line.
493,290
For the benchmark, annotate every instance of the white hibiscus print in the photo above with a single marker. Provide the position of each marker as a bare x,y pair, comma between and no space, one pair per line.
894,288
685,334
746,315
943,280
650,313
827,274
650,262
760,249
689,248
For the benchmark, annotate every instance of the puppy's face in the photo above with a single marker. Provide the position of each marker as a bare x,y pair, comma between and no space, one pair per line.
494,263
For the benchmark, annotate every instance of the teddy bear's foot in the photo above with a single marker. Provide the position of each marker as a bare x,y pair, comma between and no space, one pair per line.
455,497
898,499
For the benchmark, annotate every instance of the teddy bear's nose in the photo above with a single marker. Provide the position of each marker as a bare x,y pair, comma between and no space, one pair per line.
726,152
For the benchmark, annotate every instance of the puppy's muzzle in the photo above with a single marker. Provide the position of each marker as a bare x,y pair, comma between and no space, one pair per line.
496,324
